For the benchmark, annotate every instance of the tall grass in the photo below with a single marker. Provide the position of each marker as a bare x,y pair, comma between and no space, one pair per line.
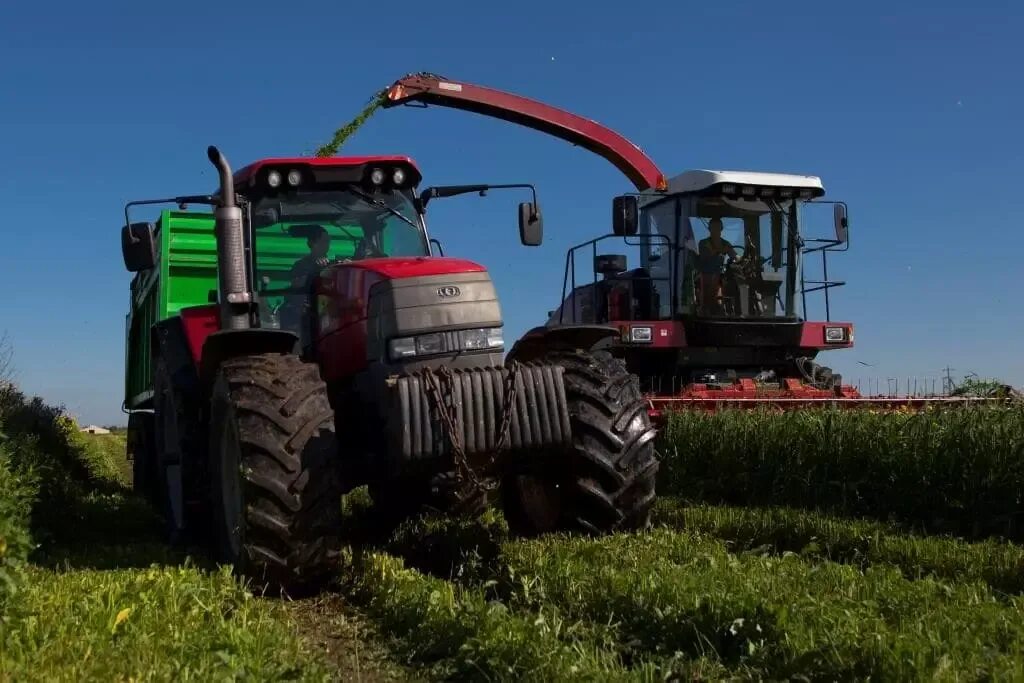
959,471
17,492
782,616
100,597
859,542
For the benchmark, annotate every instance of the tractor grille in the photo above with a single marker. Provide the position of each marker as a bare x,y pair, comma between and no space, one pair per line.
540,416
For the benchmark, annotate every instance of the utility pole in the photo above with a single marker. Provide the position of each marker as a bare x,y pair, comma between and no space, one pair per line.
948,385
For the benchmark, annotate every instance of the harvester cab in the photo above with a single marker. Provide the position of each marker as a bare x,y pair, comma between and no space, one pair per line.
302,340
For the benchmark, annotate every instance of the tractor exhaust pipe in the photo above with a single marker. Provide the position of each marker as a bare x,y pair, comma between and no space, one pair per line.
235,293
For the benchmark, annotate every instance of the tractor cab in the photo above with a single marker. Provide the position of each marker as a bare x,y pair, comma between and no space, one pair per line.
306,214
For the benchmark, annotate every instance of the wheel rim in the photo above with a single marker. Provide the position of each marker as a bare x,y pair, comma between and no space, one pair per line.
231,498
539,501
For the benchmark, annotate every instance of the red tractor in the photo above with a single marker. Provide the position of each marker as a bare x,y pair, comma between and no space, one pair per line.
303,340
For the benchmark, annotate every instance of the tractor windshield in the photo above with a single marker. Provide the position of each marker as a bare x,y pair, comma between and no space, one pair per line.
297,235
732,256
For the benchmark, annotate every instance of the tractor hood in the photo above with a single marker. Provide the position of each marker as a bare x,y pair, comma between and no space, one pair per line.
418,266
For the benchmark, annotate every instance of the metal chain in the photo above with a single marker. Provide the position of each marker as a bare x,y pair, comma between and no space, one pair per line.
446,412
510,403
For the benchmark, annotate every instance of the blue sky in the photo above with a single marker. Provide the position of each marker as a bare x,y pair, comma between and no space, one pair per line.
910,115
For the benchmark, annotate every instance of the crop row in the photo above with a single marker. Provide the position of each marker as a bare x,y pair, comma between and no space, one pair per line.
941,471
777,615
859,542
454,632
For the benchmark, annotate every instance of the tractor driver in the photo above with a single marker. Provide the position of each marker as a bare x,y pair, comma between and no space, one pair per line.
319,242
301,277
711,252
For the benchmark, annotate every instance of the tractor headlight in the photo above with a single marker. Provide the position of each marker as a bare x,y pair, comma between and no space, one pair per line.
835,335
402,348
274,179
487,338
429,344
377,176
294,177
398,177
435,343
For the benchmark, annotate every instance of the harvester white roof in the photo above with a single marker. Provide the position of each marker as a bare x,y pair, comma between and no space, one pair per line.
701,179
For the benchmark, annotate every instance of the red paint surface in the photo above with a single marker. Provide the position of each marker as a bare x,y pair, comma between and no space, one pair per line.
343,297
812,336
199,323
665,334
242,175
418,266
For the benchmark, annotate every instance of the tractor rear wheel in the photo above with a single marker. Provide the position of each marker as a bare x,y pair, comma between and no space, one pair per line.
276,484
605,481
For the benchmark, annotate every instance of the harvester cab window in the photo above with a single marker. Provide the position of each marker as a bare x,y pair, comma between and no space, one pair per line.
658,226
736,267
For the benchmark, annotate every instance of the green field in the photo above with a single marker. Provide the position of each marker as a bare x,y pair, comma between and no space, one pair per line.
818,546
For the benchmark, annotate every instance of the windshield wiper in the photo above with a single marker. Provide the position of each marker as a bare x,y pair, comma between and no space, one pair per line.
370,199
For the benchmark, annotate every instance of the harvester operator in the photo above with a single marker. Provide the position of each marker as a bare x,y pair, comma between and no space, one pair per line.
711,253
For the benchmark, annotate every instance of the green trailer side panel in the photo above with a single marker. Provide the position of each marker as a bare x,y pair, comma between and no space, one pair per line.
189,273
186,275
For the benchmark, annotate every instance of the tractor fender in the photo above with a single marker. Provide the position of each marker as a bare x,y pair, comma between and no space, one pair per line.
541,340
226,344
169,342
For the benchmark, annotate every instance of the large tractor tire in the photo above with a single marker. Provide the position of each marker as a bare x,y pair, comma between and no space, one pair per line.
276,488
606,481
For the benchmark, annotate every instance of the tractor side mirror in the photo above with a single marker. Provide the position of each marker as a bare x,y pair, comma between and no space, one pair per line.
531,224
625,215
842,223
138,246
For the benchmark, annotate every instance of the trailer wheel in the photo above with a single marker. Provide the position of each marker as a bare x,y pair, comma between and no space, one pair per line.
143,450
276,485
606,481
174,458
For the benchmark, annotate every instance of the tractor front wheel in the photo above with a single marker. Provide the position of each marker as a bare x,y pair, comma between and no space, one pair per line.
605,481
276,483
